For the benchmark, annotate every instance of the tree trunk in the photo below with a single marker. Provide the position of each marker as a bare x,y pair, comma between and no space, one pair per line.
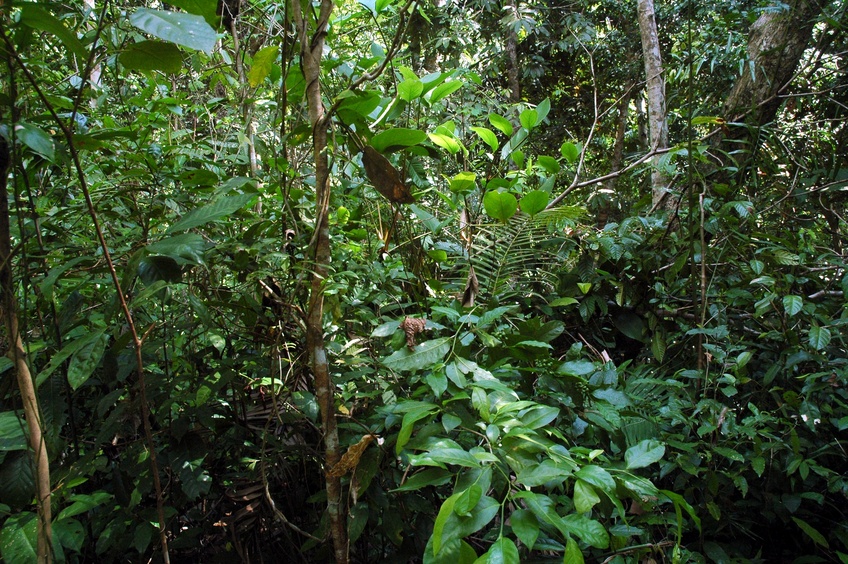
512,56
655,90
311,49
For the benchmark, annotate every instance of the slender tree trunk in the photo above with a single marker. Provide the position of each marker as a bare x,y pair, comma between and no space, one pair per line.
512,55
311,49
655,89
26,385
616,160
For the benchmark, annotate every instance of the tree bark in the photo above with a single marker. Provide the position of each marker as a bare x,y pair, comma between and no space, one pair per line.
512,56
311,49
26,385
655,90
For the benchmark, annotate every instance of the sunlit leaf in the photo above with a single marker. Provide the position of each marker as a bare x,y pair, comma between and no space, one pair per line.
263,61
644,454
187,30
500,205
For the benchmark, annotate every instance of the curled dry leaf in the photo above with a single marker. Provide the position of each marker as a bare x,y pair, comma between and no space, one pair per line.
350,459
412,327
385,177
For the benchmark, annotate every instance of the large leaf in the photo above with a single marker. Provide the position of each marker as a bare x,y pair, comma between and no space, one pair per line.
187,30
422,356
444,90
500,205
69,349
263,62
152,56
819,337
644,454
501,124
222,207
394,139
463,182
410,89
18,538
525,525
36,139
534,202
449,526
12,434
488,136
36,17
85,360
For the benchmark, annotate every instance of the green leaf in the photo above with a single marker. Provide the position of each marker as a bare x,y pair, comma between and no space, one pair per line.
728,453
152,56
82,503
658,345
585,497
543,473
220,208
542,110
819,337
570,152
501,124
444,90
449,526
758,464
488,136
534,202
410,89
817,537
85,360
18,539
467,500
587,530
12,434
36,139
463,182
442,456
598,477
538,417
428,477
397,138
69,349
644,454
36,17
560,302
416,412
263,62
156,268
573,555
502,551
205,8
446,142
187,30
525,526
500,205
792,304
423,356
550,164
70,533
529,119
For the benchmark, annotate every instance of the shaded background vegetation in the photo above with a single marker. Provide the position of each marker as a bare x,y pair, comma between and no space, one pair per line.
598,378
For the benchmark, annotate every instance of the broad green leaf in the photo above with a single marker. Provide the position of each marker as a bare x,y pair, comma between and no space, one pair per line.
397,138
152,56
550,164
205,8
544,509
502,551
540,416
450,526
69,533
529,119
36,139
501,124
159,268
816,536
220,208
36,17
570,152
444,90
728,453
438,382
792,304
560,302
585,497
428,477
355,106
587,530
598,477
463,182
658,345
12,434
488,136
85,360
18,539
534,202
819,337
500,205
410,89
418,412
82,503
263,62
525,525
387,329
446,142
69,349
644,454
573,555
187,30
576,368
467,500
442,456
422,356
758,463
545,472
542,110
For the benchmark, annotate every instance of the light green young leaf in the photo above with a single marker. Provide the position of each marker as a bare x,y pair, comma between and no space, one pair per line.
263,62
502,551
488,136
501,124
570,152
463,182
529,119
534,202
573,555
585,497
500,205
410,89
187,30
444,90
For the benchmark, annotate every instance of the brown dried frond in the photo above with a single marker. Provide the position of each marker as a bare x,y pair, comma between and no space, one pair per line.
350,459
412,326
385,177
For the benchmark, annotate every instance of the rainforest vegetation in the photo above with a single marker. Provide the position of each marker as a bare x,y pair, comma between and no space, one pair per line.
424,281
